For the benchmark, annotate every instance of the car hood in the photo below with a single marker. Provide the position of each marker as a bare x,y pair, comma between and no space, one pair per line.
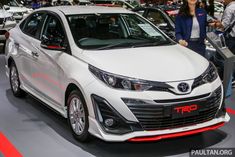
162,63
4,14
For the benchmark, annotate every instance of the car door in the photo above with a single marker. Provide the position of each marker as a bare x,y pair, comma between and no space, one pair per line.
24,41
46,70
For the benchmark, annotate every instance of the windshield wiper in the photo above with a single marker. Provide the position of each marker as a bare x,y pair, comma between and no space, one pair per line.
115,45
156,43
137,44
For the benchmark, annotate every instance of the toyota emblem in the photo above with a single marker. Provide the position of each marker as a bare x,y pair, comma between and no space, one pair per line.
183,87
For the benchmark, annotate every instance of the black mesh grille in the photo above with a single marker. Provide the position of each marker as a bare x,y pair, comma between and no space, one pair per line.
1,21
182,99
156,117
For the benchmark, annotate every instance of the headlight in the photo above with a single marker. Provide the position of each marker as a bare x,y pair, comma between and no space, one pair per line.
210,74
207,77
119,82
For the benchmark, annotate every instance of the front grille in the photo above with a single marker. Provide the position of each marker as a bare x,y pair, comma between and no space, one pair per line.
1,21
182,99
157,117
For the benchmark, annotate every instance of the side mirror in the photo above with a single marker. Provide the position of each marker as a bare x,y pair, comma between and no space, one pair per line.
52,43
151,19
163,26
6,7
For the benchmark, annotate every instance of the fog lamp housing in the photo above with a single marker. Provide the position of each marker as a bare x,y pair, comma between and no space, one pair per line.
110,120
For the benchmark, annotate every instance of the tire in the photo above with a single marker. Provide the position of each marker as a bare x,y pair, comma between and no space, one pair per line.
78,121
15,81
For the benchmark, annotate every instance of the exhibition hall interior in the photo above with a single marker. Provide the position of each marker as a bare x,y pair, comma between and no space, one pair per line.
112,78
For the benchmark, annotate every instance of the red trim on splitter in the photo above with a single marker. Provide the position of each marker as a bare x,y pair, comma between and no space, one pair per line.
173,135
230,110
7,149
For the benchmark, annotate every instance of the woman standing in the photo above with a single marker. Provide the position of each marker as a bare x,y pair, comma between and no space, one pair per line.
190,27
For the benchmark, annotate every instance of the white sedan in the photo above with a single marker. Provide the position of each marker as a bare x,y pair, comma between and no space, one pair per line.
6,23
113,75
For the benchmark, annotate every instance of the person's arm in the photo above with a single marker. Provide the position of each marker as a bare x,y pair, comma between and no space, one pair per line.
227,18
178,32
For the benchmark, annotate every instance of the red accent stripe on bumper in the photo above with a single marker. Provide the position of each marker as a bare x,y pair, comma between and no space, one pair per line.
179,134
7,149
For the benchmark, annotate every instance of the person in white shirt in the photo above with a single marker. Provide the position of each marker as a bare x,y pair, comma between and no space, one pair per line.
228,24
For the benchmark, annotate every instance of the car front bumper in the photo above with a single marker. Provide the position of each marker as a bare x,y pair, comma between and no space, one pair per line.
139,136
115,99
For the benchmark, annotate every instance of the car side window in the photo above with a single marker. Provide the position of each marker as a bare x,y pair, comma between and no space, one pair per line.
156,17
53,30
32,26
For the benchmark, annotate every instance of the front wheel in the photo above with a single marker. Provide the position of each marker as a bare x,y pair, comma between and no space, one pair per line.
78,116
15,81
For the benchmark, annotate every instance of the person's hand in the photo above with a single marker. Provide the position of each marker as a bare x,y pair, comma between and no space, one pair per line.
183,42
215,24
212,24
218,24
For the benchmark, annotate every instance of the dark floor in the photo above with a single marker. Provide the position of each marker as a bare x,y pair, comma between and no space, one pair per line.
36,131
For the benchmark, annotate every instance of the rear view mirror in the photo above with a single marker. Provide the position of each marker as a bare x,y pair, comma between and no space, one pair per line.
162,25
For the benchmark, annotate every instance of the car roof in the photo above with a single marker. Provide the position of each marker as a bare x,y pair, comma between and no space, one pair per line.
72,10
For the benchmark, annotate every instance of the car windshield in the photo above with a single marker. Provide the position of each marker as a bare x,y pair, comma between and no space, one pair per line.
106,31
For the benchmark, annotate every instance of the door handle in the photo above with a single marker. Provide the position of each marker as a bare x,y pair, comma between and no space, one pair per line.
35,54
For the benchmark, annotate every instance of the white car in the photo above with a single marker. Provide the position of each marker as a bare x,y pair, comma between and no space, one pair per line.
19,12
113,75
6,23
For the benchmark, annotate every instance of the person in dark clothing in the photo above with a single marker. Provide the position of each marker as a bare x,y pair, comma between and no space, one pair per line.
211,8
203,5
190,27
35,4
